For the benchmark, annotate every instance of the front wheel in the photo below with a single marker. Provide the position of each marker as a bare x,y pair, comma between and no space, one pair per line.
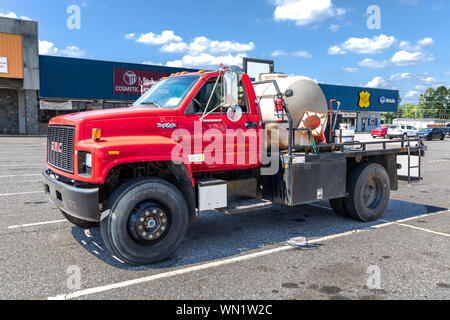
144,221
368,186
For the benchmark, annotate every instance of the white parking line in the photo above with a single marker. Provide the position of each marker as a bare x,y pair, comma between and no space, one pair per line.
35,224
213,264
20,193
23,165
421,229
22,175
435,161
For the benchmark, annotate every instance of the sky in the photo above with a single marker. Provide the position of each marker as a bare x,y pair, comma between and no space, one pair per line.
394,44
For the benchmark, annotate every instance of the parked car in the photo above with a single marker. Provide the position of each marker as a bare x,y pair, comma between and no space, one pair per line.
446,130
430,134
380,132
401,131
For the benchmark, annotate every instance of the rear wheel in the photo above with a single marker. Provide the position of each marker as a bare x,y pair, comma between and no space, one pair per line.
443,137
405,136
80,223
145,221
368,186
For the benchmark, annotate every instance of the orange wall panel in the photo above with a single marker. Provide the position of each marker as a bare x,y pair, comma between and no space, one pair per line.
11,48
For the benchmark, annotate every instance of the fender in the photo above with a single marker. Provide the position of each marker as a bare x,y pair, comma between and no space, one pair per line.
113,151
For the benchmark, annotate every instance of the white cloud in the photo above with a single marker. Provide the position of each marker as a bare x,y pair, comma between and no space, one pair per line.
13,15
334,27
305,12
207,60
302,54
158,39
406,45
401,76
374,64
400,59
404,58
73,51
426,42
299,54
130,36
378,82
350,70
48,48
279,53
373,45
152,63
203,44
174,47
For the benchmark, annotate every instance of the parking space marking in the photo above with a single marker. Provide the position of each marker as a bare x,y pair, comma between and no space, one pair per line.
86,292
20,193
437,161
421,229
36,224
21,175
23,165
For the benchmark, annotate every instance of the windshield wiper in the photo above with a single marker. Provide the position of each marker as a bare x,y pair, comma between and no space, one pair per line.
150,103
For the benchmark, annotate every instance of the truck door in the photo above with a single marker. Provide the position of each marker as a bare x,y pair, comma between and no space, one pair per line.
220,140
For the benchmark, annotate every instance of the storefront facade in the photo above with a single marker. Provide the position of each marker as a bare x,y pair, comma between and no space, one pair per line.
362,108
19,76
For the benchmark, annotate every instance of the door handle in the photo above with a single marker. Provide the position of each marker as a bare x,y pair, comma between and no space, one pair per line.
251,125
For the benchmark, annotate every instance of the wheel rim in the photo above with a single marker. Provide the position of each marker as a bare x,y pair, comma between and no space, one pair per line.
148,223
371,193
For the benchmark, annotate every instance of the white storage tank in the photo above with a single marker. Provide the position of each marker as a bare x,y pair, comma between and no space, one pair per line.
307,96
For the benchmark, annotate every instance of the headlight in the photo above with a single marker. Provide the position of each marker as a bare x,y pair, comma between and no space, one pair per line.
88,160
84,163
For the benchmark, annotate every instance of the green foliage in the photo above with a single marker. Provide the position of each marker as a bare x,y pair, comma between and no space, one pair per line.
434,103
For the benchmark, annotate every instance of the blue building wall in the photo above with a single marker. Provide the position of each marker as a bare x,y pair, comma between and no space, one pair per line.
349,98
71,78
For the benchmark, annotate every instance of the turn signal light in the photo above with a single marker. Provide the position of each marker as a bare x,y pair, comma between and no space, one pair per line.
96,134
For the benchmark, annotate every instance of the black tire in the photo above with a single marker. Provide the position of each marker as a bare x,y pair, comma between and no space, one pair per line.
368,186
405,136
119,209
338,205
443,137
80,223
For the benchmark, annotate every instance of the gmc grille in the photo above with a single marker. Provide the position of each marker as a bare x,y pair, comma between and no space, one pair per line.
60,147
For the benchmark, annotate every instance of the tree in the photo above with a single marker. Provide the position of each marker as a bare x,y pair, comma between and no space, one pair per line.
435,103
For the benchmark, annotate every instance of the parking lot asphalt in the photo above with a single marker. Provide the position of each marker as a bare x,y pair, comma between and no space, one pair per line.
245,256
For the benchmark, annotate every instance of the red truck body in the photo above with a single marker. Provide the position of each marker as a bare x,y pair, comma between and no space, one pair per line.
133,135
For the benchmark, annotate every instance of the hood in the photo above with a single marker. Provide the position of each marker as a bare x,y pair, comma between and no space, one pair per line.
121,122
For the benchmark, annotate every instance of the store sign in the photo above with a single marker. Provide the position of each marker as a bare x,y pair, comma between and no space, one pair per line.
135,82
384,100
3,65
349,114
364,99
55,105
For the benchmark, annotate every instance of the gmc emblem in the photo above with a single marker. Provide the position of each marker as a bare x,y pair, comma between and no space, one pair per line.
56,147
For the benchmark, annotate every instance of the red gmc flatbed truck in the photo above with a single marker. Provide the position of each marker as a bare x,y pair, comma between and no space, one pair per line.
118,168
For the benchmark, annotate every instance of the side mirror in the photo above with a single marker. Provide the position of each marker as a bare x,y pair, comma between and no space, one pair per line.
230,89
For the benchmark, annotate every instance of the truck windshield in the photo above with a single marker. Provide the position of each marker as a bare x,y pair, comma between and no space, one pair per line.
168,93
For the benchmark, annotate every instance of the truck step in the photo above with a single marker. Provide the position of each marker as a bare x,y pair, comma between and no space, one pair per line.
246,205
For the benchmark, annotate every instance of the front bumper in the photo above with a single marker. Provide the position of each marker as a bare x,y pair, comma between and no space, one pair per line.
80,203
